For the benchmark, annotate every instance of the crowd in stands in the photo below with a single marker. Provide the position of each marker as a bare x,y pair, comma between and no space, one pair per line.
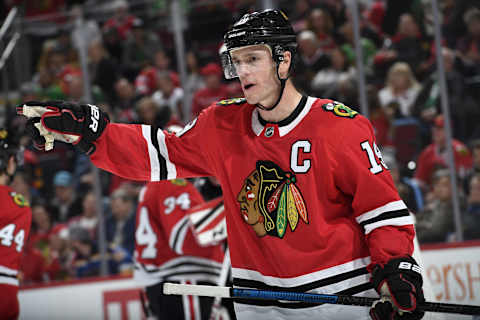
133,76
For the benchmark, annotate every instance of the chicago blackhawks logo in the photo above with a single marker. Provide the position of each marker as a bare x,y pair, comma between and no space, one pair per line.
270,201
339,109
19,200
231,101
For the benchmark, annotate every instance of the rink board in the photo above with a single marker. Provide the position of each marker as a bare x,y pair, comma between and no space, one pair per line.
453,271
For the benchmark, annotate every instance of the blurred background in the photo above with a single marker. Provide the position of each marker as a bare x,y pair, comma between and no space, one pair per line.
157,62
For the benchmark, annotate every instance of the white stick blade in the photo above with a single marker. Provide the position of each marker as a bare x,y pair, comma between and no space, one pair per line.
196,290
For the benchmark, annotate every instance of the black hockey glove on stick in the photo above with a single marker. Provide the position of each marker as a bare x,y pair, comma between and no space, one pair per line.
399,284
77,124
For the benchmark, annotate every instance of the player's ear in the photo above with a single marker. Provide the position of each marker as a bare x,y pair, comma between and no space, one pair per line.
11,166
284,65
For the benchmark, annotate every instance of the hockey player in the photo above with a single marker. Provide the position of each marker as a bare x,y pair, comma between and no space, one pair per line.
310,203
166,250
15,221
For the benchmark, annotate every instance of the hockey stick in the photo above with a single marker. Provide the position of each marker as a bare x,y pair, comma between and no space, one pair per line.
227,292
222,280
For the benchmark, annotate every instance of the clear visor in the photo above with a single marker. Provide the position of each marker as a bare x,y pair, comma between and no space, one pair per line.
232,69
229,70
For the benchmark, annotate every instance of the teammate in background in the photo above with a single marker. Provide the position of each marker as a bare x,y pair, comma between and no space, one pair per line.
310,204
15,221
166,250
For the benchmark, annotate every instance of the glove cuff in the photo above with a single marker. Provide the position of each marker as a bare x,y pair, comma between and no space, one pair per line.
86,147
95,124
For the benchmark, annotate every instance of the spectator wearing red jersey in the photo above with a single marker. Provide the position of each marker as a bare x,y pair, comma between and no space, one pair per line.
122,20
434,156
214,89
41,225
32,266
147,81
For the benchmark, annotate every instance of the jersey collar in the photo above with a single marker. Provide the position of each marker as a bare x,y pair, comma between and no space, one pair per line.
286,125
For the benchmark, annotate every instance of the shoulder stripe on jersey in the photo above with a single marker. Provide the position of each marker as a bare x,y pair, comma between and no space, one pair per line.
400,221
385,216
178,235
299,305
301,288
213,212
152,153
391,206
162,161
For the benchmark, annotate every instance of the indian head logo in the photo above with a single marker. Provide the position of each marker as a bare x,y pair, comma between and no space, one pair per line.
270,201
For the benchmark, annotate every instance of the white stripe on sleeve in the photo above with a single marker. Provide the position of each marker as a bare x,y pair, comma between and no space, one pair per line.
400,221
177,235
152,153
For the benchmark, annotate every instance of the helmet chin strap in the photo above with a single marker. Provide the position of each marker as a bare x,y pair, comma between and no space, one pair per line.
10,178
282,88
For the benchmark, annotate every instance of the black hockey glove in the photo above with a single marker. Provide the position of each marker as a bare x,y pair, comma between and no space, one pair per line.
80,125
399,284
32,131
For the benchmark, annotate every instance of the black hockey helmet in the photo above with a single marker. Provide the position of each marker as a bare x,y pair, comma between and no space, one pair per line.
8,148
270,27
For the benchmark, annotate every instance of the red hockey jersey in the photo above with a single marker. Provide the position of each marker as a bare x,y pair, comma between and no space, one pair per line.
165,246
309,201
15,221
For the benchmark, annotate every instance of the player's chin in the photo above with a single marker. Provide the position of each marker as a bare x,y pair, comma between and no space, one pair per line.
250,98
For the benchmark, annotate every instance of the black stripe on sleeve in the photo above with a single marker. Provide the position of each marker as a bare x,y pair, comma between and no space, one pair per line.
386,216
177,235
8,275
161,159
208,215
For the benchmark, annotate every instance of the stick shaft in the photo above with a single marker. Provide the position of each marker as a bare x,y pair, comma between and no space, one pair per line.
226,292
